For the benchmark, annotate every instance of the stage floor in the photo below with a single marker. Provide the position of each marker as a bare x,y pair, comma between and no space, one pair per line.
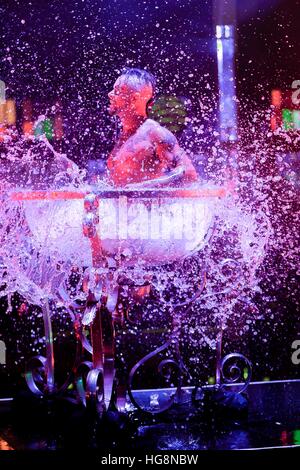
272,419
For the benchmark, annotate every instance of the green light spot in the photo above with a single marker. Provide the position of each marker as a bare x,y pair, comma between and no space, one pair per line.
48,128
171,112
296,436
287,119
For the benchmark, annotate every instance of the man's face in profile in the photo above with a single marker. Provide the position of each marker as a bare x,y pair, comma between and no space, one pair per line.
125,100
120,98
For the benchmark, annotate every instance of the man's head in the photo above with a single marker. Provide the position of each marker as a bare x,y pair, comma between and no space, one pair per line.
132,92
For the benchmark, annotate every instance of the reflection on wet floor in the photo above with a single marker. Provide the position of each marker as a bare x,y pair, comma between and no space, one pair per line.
162,437
54,426
233,436
267,416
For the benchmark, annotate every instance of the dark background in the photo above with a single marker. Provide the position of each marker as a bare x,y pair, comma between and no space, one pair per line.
74,50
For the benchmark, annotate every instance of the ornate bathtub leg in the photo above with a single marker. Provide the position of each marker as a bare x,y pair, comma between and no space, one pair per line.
164,369
40,370
49,347
108,357
230,369
103,297
98,391
95,378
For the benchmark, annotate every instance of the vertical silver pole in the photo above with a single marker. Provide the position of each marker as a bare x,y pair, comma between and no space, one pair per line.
225,31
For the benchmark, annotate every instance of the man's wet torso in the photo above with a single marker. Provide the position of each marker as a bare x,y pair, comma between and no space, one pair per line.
135,159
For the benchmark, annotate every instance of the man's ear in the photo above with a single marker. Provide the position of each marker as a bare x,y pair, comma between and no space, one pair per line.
149,105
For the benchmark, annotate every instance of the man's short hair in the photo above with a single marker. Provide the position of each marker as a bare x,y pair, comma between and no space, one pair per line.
138,78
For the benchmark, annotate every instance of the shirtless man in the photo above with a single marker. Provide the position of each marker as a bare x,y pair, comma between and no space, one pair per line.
146,154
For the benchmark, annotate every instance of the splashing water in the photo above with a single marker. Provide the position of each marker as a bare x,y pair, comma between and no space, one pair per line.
252,257
42,242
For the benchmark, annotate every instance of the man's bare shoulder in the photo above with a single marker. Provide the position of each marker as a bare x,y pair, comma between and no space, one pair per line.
159,134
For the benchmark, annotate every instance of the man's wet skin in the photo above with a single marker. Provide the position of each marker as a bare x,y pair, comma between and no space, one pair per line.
146,154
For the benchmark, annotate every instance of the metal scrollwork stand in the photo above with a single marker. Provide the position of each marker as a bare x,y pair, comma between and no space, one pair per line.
232,369
164,369
40,369
95,380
